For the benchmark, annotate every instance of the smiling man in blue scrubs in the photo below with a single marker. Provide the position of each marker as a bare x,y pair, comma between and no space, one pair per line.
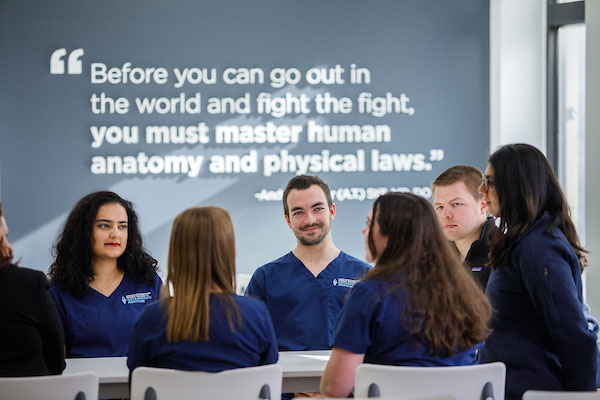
305,289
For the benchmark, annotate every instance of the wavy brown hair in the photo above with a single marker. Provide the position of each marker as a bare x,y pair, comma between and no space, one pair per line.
445,306
201,261
72,268
527,187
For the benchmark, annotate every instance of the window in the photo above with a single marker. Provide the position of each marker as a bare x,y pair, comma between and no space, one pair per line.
566,102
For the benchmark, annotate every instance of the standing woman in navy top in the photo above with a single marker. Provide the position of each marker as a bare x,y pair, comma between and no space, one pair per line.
539,328
204,326
102,276
418,306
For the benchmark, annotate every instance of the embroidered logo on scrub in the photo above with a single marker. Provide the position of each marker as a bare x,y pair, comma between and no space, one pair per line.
135,298
344,282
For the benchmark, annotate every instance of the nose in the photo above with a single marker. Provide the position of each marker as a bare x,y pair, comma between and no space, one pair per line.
6,249
310,219
481,189
446,213
364,231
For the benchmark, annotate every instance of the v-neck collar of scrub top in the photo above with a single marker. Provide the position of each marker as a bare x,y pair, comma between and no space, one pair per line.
114,293
325,273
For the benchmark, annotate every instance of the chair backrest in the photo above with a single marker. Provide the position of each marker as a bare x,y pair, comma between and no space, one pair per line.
543,395
235,384
79,386
464,382
440,397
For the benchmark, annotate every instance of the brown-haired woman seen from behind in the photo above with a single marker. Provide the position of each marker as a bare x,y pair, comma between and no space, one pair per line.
204,326
539,328
31,338
418,306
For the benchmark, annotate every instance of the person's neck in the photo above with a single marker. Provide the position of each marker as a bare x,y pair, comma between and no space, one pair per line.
317,257
107,276
464,245
106,269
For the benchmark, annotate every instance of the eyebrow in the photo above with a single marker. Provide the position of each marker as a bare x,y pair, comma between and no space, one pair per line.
449,201
110,220
320,203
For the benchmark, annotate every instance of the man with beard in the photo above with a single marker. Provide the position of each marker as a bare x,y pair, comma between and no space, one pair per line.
305,289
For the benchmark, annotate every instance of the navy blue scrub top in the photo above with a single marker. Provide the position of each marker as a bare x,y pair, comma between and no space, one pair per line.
254,344
304,308
100,326
369,324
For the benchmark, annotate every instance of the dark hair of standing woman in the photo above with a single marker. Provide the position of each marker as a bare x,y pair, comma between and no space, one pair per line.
72,268
445,303
201,262
526,186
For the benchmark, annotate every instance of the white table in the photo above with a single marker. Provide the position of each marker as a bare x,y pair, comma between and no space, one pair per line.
302,372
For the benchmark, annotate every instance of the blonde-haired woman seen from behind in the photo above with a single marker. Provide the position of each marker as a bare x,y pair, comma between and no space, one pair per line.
204,326
418,306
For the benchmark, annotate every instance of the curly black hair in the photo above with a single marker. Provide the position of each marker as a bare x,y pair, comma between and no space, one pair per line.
72,267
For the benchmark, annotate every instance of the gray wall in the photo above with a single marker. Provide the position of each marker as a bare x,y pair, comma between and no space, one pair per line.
434,52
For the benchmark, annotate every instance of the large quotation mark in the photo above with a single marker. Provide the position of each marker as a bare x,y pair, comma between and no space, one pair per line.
436,155
57,64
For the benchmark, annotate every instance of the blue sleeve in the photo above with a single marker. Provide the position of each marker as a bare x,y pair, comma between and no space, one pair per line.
592,322
271,353
353,327
551,282
593,327
55,293
157,285
51,331
140,348
256,286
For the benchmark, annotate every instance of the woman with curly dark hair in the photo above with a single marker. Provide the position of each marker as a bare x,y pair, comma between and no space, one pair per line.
539,327
418,306
102,276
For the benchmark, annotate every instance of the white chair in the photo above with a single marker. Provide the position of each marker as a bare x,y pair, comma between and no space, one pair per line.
471,382
79,386
252,383
547,395
440,397
242,281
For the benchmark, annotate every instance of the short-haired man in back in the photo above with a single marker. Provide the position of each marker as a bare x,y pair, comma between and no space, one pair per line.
305,289
462,212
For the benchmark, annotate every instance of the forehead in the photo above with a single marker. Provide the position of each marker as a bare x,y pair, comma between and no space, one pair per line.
456,190
306,197
489,170
112,211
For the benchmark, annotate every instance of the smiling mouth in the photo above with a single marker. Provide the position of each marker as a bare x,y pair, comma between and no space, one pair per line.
311,228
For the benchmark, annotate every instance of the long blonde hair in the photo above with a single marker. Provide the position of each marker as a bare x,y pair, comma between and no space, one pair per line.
201,261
